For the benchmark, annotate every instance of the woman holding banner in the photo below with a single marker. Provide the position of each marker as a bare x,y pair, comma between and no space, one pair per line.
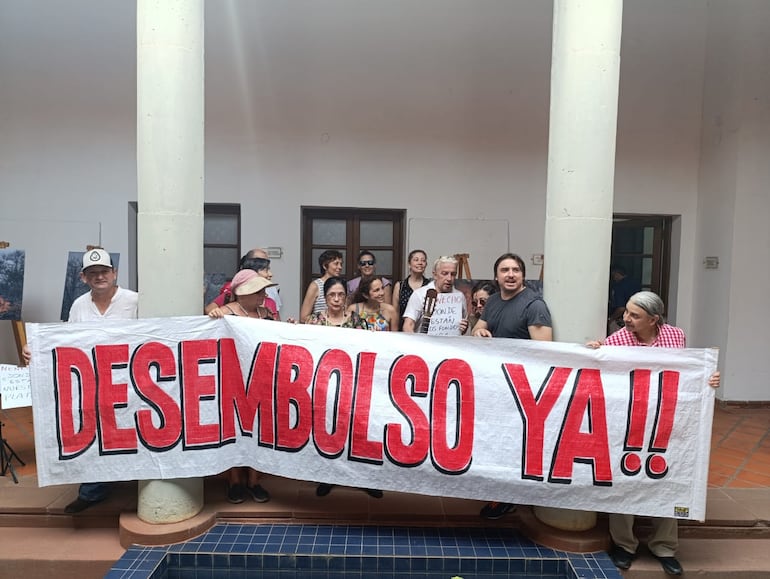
248,289
335,315
336,296
645,326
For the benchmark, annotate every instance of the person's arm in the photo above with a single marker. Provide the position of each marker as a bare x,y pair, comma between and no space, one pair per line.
412,312
394,295
541,333
307,303
481,330
408,325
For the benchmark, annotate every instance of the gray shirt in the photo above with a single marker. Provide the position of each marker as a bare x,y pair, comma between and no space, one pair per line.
512,318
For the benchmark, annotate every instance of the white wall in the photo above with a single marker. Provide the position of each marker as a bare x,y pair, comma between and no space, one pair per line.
734,202
439,107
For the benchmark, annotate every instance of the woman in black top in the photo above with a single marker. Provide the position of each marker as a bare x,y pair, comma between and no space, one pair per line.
402,290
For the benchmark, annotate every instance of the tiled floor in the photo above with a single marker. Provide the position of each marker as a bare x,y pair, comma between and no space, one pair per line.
344,552
740,445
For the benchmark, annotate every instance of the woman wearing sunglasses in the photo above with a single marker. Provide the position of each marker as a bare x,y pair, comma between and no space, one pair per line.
479,296
367,264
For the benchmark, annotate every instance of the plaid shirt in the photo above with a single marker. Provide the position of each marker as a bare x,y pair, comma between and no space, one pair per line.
668,337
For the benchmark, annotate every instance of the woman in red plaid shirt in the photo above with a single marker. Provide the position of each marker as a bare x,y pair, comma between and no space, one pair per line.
645,326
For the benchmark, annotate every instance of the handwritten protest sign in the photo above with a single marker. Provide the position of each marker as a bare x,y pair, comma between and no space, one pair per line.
14,386
615,429
447,314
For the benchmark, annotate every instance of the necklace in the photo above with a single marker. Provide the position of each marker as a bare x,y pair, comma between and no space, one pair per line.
245,313
331,322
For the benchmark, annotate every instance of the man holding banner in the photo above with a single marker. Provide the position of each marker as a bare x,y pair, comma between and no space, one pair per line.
645,326
515,312
106,300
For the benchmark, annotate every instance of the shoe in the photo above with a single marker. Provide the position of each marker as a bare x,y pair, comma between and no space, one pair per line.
259,494
236,494
670,565
323,489
621,558
374,493
496,510
79,505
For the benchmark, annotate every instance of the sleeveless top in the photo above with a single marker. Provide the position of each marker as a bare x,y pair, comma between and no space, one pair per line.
319,305
374,321
352,321
404,293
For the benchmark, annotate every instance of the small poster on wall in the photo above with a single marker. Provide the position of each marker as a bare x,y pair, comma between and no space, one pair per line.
74,287
11,283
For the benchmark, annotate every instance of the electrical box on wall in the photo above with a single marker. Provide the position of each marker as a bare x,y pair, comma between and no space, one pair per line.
711,262
274,252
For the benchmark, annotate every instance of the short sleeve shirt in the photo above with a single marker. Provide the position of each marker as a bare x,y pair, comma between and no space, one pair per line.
124,305
416,303
668,337
512,318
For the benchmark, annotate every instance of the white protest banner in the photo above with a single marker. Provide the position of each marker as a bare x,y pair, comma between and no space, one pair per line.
14,386
445,320
615,429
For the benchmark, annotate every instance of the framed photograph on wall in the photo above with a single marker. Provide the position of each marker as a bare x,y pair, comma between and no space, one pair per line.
11,283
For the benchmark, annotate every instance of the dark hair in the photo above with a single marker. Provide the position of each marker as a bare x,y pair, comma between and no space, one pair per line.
487,286
364,288
332,281
255,263
412,253
327,257
366,252
515,258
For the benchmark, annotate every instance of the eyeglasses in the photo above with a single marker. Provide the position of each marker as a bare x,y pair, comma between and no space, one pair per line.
366,262
479,302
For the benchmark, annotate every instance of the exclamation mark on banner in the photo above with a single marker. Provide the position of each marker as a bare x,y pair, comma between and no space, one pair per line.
631,463
668,392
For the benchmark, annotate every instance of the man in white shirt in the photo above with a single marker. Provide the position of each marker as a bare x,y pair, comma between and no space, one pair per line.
106,300
444,276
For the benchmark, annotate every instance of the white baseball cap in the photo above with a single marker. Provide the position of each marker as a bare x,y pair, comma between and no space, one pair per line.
96,257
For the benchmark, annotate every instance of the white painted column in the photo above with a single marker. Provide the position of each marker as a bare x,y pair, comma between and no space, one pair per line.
170,121
585,72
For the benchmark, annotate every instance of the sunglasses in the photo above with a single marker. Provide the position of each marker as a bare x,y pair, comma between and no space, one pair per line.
366,262
481,302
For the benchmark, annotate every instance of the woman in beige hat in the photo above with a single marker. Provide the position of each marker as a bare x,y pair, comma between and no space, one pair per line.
248,289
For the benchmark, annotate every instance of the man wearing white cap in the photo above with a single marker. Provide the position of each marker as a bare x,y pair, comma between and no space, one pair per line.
106,300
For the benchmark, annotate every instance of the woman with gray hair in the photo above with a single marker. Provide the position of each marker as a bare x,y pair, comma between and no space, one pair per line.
646,326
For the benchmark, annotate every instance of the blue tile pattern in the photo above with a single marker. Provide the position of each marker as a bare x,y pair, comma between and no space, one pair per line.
241,551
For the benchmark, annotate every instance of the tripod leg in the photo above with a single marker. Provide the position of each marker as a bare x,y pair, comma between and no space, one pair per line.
12,453
5,461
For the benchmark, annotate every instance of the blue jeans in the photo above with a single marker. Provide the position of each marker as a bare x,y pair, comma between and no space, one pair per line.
93,492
